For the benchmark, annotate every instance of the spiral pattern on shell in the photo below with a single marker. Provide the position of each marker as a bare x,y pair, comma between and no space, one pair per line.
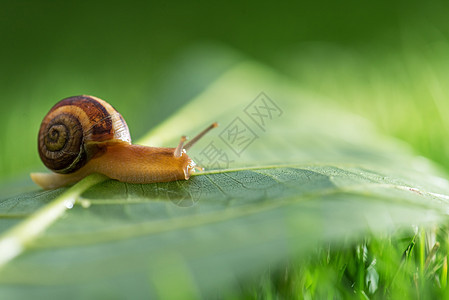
74,129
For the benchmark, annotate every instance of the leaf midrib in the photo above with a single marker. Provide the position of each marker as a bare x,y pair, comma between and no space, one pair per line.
184,222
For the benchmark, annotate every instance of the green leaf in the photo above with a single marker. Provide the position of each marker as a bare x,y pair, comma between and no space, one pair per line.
312,174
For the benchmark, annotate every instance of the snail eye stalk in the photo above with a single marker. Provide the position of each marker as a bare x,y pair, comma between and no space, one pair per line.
199,136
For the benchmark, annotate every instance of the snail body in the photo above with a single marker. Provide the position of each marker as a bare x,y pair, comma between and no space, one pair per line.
82,135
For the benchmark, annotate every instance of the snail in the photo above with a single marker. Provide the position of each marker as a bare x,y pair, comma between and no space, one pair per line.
82,135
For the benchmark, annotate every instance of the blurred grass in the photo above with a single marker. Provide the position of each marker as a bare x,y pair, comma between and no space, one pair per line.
386,267
405,94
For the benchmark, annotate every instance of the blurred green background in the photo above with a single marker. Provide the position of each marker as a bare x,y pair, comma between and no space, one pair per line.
388,61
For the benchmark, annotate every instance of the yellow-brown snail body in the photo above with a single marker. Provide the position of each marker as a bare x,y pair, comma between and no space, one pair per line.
82,135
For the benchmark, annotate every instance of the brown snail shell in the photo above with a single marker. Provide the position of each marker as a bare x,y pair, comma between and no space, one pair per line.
73,130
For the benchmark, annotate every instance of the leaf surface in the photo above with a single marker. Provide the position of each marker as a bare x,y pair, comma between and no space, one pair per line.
310,174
